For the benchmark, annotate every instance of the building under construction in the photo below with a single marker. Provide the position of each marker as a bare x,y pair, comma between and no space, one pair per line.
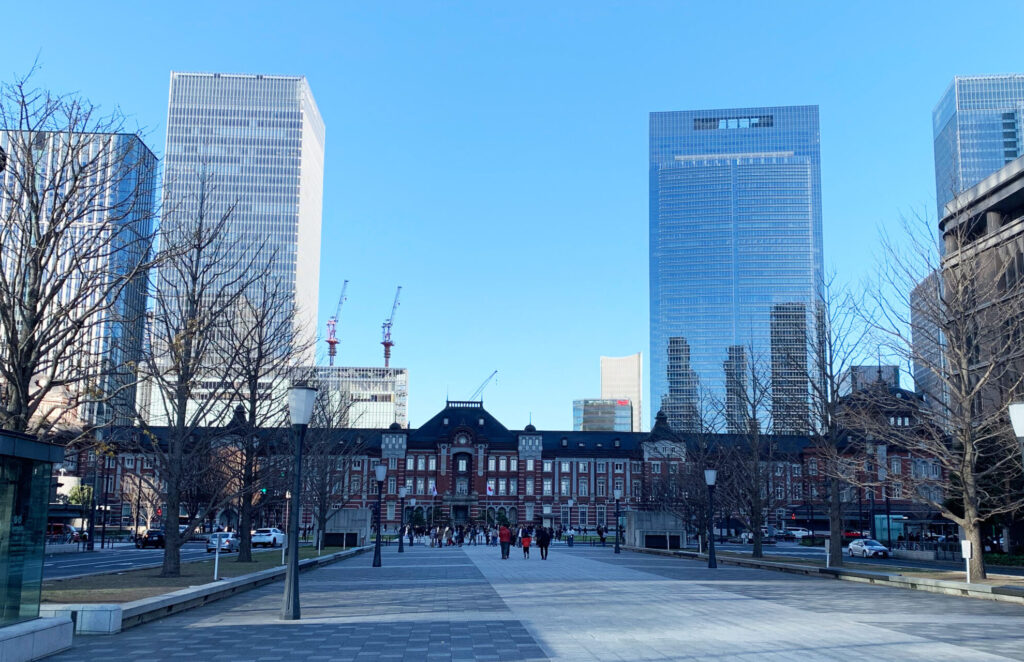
370,397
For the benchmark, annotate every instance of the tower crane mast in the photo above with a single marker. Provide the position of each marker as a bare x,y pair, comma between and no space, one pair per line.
386,329
332,325
480,391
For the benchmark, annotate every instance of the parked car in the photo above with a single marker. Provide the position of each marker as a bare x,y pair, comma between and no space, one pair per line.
227,540
868,548
797,532
152,538
267,538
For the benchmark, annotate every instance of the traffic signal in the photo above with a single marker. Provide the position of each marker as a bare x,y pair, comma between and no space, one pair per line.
159,512
263,490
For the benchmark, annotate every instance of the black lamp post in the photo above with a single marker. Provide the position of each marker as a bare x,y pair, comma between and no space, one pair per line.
401,517
618,495
710,476
381,470
569,527
300,410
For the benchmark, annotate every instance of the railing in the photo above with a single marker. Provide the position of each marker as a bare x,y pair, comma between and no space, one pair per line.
943,551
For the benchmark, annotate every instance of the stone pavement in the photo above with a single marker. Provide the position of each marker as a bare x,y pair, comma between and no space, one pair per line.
581,604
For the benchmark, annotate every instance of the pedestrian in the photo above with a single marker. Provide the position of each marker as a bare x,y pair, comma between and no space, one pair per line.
543,541
505,537
601,534
570,535
526,536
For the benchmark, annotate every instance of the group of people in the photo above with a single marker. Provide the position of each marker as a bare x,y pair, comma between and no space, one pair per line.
523,537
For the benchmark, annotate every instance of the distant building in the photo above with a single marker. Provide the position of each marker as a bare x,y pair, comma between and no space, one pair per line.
602,414
368,397
790,383
977,128
926,342
859,377
125,199
680,403
622,377
735,231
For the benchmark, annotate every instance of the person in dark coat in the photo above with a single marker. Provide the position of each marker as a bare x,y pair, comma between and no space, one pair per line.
543,541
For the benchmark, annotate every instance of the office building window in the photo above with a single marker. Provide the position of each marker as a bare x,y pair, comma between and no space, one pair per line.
547,487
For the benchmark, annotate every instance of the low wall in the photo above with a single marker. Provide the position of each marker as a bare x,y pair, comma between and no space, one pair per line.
113,618
35,639
1013,594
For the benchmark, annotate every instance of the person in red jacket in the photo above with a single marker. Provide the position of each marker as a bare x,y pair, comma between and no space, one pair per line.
504,537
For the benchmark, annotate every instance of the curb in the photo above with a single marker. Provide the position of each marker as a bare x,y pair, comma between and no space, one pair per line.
1013,594
114,618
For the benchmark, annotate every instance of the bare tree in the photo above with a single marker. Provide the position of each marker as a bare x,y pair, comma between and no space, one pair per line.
76,230
190,368
265,340
748,485
331,445
968,313
143,496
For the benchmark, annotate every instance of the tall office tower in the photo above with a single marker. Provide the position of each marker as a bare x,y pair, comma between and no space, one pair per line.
680,403
977,126
622,377
260,141
366,397
114,205
609,414
735,230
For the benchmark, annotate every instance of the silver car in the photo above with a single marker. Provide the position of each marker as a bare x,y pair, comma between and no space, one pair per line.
227,541
868,548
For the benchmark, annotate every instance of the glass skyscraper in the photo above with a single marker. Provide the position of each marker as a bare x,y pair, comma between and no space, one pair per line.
260,140
735,260
977,128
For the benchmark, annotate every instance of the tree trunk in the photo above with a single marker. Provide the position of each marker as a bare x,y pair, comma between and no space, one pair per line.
245,509
835,525
172,542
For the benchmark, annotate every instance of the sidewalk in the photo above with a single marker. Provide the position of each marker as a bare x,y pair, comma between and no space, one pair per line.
581,604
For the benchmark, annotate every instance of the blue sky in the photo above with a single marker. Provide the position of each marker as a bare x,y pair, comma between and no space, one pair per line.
491,157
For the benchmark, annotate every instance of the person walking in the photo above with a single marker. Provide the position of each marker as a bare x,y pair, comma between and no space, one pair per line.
601,534
526,537
570,535
543,542
505,538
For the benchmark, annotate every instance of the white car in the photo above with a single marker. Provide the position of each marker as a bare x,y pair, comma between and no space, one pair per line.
797,532
228,542
868,548
267,538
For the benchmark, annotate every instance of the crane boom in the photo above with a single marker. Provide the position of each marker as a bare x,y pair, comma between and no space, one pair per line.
332,325
480,391
386,329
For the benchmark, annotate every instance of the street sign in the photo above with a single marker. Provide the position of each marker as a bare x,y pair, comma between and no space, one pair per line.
965,549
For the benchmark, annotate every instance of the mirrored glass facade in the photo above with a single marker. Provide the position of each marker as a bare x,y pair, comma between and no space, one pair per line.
977,130
735,257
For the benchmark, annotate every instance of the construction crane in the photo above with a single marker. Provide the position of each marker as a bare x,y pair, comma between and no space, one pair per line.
480,391
332,325
386,328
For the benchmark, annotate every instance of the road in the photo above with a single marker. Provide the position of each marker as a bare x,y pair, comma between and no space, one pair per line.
582,603
796,550
111,560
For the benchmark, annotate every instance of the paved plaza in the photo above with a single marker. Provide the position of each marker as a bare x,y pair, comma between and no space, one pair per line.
581,604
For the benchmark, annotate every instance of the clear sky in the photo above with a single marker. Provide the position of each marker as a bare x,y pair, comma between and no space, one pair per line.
491,157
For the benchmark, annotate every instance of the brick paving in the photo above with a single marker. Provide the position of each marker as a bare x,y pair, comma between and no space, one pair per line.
581,604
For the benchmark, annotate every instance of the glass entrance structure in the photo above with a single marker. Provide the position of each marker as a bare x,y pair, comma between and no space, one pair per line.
25,469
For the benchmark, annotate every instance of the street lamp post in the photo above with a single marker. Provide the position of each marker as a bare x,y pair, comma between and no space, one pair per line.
401,518
300,410
381,470
571,541
710,476
618,495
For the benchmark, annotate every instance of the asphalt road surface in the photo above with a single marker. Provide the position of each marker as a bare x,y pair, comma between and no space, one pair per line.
112,560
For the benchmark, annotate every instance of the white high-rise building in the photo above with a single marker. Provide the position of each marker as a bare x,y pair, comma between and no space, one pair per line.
623,377
260,141
369,397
